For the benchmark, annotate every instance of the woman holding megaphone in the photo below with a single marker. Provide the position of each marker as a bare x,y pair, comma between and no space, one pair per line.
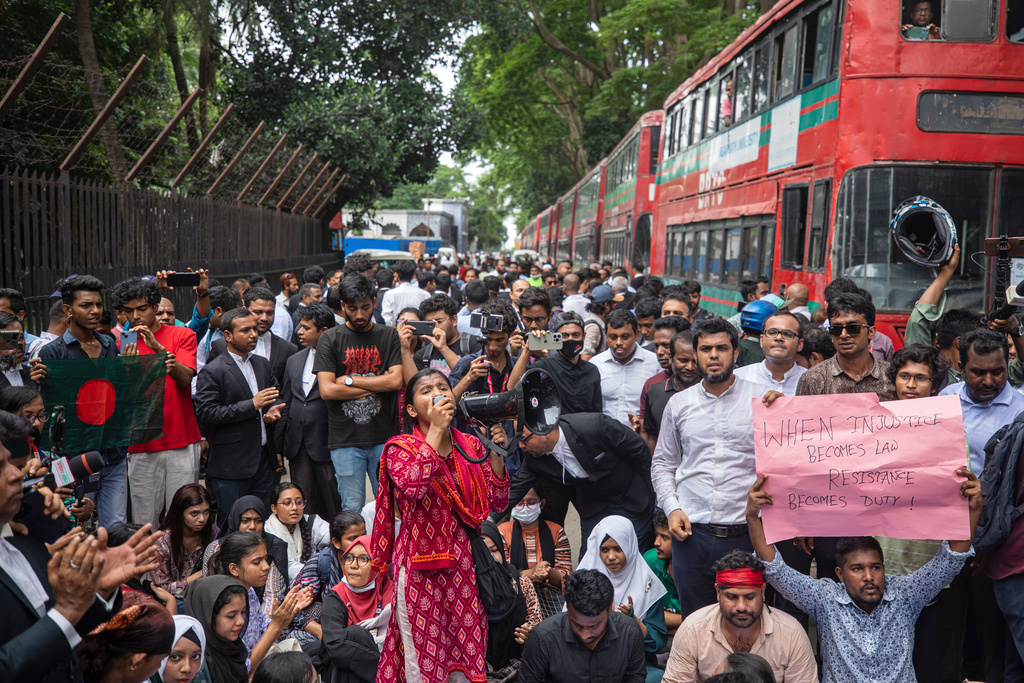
438,631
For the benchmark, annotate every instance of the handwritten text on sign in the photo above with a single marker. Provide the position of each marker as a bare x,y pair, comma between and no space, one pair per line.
847,465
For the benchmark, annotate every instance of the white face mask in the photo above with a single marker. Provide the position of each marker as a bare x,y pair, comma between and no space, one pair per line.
526,514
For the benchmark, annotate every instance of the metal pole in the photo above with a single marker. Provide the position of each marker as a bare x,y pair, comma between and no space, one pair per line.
104,114
235,160
273,185
302,173
34,63
316,197
203,145
311,186
263,167
155,146
330,194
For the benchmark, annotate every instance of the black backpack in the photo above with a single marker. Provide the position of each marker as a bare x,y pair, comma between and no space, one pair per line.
998,486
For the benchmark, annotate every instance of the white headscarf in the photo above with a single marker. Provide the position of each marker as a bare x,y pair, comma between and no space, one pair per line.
636,579
182,624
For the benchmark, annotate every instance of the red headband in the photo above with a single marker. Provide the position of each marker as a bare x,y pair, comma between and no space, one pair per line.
739,578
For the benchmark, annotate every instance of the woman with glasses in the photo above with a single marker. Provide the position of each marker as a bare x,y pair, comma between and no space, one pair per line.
355,616
439,632
304,534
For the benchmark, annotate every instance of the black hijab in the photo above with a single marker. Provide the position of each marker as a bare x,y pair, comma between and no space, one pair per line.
277,550
224,658
501,635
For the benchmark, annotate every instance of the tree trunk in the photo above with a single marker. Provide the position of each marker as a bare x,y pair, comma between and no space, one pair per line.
207,69
174,52
97,90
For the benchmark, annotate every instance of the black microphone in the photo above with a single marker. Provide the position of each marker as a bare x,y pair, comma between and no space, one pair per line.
77,467
1008,309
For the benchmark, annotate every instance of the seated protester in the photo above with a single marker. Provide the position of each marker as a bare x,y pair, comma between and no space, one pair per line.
647,311
131,645
866,622
286,667
356,614
505,639
188,530
659,559
188,654
219,604
323,571
817,347
578,381
248,514
612,550
752,668
740,622
539,550
589,636
304,534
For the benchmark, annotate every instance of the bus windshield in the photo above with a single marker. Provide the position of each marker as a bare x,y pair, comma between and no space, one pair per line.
864,249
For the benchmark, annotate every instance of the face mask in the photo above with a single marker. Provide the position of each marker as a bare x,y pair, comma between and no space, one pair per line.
526,514
571,348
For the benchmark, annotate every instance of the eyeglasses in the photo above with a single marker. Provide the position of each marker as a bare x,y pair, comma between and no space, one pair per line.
357,560
441,321
920,379
535,321
40,417
852,329
773,332
298,502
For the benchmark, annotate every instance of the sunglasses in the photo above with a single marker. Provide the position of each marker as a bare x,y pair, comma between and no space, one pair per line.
852,329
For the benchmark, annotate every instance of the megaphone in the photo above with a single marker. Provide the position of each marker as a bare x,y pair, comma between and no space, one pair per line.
534,402
924,232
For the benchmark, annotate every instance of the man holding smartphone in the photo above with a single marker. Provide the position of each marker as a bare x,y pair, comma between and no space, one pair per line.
160,467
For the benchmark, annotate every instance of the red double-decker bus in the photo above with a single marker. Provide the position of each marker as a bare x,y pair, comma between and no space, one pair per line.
787,153
589,213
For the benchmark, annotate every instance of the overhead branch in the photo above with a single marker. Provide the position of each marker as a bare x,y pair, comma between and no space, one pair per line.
554,43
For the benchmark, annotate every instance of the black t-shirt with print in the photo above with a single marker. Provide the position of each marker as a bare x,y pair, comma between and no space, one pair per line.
370,420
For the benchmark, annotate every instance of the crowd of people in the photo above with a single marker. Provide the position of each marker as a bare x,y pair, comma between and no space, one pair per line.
242,544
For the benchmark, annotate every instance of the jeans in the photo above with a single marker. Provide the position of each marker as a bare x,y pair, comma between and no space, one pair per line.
1010,598
112,498
351,465
227,491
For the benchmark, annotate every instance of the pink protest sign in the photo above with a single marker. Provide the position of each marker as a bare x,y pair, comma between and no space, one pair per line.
847,465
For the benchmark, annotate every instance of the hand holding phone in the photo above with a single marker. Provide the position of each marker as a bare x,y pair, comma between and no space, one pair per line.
182,279
128,336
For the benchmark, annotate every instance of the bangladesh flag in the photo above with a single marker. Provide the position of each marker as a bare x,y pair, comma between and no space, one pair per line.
108,402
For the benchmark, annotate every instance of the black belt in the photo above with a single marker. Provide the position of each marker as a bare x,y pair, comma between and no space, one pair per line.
722,530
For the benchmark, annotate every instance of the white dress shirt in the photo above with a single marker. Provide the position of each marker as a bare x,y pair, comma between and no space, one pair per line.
263,344
308,378
577,303
14,377
704,461
760,374
564,455
405,295
282,326
623,384
245,365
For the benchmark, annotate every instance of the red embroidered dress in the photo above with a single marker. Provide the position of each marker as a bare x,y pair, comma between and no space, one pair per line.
448,624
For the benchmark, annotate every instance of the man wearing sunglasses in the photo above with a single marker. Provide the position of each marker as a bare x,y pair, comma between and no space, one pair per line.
780,341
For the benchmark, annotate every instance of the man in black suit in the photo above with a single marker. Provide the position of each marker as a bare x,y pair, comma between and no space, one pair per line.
309,293
50,602
268,345
17,374
606,465
303,425
314,274
235,398
446,285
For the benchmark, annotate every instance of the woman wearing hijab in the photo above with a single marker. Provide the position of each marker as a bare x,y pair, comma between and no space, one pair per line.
355,617
129,647
218,603
185,663
249,513
505,639
612,550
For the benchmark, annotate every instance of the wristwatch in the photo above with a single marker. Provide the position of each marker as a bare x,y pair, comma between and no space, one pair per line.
348,380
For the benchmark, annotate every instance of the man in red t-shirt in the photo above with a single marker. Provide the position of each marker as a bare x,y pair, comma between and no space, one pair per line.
158,468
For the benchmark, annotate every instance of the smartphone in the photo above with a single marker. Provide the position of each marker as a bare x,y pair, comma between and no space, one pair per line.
182,279
917,33
438,399
10,340
128,337
421,326
549,341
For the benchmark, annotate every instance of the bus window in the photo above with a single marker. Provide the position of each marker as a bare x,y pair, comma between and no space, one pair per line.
689,239
670,124
921,20
817,46
725,106
712,111
1011,202
785,64
762,66
733,242
698,117
686,125
968,21
864,249
768,249
715,256
742,88
752,253
794,226
700,259
1015,20
818,247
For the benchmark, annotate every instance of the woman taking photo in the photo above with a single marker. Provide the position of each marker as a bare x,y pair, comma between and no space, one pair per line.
187,531
440,635
303,534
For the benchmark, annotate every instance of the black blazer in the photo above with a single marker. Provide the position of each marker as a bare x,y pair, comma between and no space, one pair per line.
280,351
26,377
616,458
304,417
32,648
232,424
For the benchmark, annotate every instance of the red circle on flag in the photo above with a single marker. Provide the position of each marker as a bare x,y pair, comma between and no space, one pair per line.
95,402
